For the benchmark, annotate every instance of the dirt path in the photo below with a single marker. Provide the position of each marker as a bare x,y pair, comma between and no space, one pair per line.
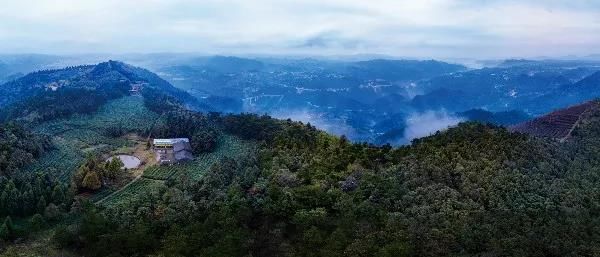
582,116
146,157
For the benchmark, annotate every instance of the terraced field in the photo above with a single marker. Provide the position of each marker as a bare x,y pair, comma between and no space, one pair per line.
137,188
78,135
229,146
127,112
61,161
557,124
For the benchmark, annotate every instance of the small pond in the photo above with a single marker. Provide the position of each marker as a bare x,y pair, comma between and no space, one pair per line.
130,161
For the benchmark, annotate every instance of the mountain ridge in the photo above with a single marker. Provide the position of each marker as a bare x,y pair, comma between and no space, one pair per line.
102,82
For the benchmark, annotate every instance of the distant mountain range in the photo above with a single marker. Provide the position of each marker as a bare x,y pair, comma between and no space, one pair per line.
362,96
367,100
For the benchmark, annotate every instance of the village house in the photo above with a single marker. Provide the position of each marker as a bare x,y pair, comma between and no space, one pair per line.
172,150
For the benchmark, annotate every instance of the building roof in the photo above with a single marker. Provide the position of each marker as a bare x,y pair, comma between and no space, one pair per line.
169,141
182,146
183,156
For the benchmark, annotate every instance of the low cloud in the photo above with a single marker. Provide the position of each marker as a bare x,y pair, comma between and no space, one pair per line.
417,124
333,126
427,123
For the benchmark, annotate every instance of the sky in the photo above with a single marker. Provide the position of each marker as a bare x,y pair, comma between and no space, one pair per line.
413,28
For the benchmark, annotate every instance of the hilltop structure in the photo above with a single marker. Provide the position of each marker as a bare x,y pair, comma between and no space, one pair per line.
136,88
172,150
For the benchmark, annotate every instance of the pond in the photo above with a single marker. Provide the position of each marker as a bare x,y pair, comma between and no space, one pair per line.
130,161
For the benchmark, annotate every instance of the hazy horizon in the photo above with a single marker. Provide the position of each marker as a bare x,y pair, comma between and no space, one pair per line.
432,29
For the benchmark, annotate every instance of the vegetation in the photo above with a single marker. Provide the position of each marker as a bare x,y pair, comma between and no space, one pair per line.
140,188
80,135
557,124
475,189
75,112
93,172
266,187
23,194
180,122
228,147
18,147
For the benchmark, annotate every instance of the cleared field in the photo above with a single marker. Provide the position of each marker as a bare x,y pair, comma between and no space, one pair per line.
60,161
229,146
154,176
557,124
127,112
78,135
136,189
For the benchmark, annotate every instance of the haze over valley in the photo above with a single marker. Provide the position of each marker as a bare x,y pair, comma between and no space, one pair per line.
373,100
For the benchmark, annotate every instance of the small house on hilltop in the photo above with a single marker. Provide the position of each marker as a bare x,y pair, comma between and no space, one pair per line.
136,88
172,150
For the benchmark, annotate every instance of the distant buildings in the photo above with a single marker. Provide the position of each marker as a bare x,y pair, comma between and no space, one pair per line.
172,150
136,88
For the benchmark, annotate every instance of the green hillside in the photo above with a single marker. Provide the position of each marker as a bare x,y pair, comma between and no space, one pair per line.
82,134
228,146
266,187
154,177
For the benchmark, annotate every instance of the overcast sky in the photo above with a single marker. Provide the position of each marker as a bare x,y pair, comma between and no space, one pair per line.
413,28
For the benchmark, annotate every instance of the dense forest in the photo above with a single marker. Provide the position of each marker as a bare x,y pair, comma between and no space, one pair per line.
472,190
37,196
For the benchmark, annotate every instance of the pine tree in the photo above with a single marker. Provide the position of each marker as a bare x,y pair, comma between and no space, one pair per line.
79,176
41,205
52,212
9,224
28,202
58,194
36,222
113,167
92,181
4,232
38,186
4,203
12,204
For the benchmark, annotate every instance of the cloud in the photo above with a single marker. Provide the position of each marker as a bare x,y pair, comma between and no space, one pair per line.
427,123
427,28
334,126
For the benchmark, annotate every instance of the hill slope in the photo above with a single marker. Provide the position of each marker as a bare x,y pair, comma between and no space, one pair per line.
558,124
472,190
47,94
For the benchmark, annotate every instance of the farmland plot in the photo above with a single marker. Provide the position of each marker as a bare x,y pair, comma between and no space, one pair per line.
228,146
78,135
61,161
153,177
136,189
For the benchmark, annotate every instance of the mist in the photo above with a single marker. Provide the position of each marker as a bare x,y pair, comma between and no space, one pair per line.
427,123
335,126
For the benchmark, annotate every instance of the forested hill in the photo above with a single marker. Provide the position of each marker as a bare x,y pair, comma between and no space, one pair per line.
472,190
47,94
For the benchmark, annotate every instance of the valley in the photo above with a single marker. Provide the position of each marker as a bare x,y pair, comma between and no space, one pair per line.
371,100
